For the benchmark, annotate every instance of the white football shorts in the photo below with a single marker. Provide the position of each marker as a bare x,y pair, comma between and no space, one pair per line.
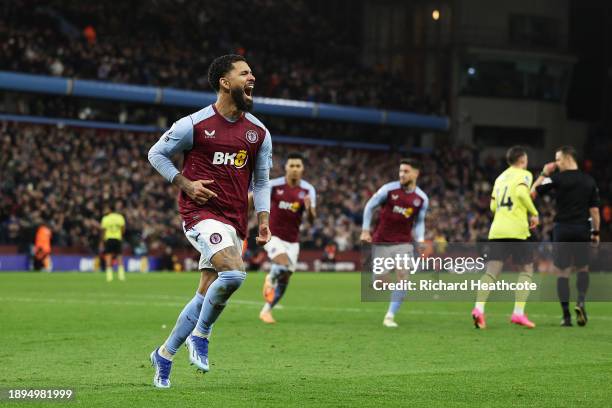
277,246
211,236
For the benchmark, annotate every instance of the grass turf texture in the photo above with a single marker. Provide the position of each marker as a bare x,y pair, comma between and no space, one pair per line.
328,349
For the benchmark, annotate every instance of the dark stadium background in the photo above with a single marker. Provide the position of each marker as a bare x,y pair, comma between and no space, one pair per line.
498,73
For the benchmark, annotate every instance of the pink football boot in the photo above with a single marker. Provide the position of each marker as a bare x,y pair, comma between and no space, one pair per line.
522,320
479,319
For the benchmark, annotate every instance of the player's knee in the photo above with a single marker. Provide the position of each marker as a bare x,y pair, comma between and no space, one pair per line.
207,277
277,270
228,259
564,273
231,280
282,260
494,267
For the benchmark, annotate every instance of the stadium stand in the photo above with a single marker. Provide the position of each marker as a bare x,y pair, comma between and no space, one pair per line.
96,41
65,175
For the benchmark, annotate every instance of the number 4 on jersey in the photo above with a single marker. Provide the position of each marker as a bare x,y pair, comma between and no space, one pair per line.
505,201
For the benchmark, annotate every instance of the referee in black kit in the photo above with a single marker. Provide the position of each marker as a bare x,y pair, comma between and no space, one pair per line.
577,203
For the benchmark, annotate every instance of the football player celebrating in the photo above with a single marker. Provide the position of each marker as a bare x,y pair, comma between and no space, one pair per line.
401,222
291,197
225,148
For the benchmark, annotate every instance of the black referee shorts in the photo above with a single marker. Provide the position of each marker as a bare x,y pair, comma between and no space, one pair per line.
571,245
519,250
112,246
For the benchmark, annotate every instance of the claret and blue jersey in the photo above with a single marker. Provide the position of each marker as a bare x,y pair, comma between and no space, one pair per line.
287,207
402,216
231,153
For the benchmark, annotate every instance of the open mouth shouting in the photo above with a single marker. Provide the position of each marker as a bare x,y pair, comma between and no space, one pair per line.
248,90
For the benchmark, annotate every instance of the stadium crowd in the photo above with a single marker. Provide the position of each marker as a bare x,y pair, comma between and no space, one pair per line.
64,176
45,37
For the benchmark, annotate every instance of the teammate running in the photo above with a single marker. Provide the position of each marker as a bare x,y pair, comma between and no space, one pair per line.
401,222
291,197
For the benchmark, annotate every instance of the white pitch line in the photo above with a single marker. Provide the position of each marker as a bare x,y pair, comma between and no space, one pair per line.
336,309
257,304
88,301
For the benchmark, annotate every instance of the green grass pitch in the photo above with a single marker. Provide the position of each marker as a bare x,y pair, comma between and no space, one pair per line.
74,330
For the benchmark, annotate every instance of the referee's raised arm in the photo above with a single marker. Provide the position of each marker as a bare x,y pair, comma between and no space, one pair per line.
544,182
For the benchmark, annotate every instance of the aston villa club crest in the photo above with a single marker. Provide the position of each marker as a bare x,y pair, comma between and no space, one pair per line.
302,194
417,202
215,238
394,196
252,136
280,191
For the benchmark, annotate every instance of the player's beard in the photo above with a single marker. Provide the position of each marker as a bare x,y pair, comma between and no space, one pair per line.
239,98
408,183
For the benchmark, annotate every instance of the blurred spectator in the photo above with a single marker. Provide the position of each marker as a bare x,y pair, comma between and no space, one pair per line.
90,34
65,175
42,248
329,253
